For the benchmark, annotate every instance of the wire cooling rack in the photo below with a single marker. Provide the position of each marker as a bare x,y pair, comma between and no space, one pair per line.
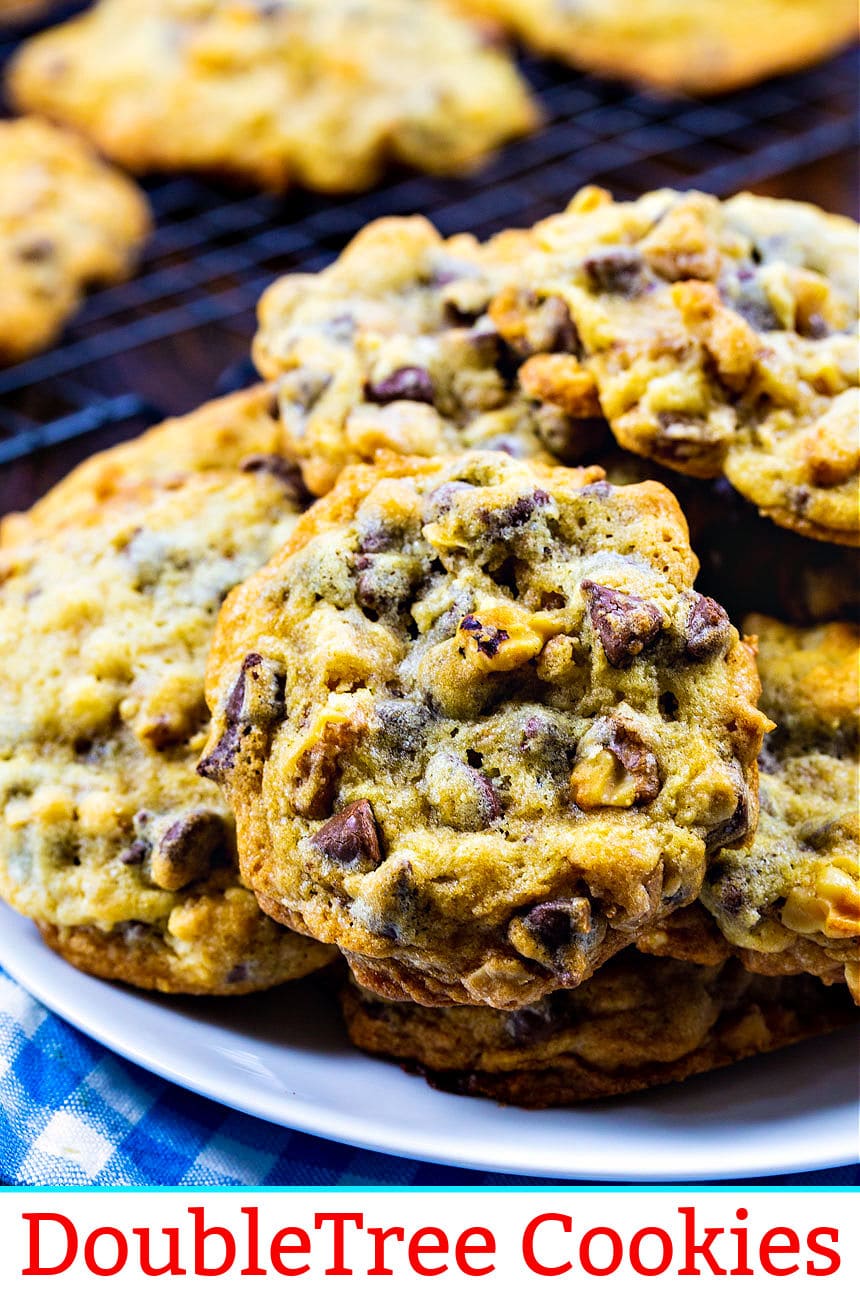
159,344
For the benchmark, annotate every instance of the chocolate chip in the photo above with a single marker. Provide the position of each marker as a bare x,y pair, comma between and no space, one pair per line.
708,630
620,272
38,251
412,383
382,585
731,897
440,501
538,1021
735,826
222,758
487,639
758,312
505,518
562,934
548,742
351,838
402,905
374,537
136,853
286,472
460,794
551,924
187,851
402,726
257,698
305,386
238,974
490,806
559,331
625,624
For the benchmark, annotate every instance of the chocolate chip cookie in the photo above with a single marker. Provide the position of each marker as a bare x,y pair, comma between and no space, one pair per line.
109,839
706,47
392,349
323,95
67,221
792,903
477,727
721,338
637,1023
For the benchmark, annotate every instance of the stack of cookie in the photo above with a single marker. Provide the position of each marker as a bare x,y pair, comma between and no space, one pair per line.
467,719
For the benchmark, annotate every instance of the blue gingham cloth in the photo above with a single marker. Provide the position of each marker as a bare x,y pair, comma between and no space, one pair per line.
72,1114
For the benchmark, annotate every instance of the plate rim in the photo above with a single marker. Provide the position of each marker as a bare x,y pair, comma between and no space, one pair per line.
297,1114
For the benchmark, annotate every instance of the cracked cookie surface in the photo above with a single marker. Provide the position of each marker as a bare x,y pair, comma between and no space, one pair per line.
637,1023
324,95
700,48
67,221
476,726
109,839
714,337
792,903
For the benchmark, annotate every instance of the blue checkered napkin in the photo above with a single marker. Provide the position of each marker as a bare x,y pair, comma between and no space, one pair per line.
72,1114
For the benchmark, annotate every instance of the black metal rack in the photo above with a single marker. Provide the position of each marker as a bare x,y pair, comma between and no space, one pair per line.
216,249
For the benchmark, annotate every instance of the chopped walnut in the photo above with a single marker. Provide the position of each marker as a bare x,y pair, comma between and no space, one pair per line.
833,908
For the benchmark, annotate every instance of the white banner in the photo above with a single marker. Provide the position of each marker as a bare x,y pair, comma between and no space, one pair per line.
451,1238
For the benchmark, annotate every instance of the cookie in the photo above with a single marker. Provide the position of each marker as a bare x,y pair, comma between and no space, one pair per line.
323,95
109,839
637,1023
390,349
67,221
721,338
512,736
717,338
707,47
793,901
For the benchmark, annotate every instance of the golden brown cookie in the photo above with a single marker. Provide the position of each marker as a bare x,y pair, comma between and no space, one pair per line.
109,839
476,726
637,1023
67,221
324,95
793,901
691,46
721,338
391,349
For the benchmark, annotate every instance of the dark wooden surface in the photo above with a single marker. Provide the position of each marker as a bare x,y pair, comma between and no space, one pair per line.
183,371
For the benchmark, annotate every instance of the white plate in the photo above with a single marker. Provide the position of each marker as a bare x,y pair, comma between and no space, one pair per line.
283,1057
